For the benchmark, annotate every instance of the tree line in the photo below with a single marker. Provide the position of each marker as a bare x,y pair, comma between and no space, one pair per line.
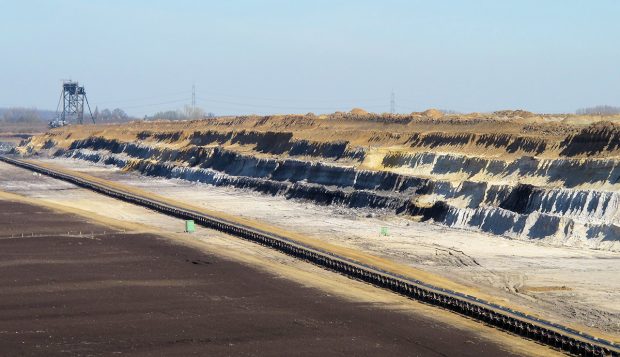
599,110
18,115
187,113
116,115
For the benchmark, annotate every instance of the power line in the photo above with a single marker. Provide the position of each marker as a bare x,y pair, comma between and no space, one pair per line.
392,103
155,104
143,98
281,107
359,103
291,100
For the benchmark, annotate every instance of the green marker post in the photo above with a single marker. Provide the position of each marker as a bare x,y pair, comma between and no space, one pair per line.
190,227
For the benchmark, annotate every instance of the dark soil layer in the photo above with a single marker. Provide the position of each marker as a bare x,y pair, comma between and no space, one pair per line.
140,294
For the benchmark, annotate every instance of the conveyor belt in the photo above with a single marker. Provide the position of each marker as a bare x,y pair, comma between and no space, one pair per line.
546,332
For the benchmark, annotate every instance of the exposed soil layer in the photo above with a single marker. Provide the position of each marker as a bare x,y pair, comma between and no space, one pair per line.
542,178
138,293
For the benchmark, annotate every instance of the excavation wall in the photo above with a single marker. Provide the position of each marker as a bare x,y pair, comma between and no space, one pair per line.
558,187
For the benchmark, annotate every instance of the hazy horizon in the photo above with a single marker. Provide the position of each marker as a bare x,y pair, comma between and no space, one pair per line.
313,56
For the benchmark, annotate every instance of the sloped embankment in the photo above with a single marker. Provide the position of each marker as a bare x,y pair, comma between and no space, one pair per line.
558,188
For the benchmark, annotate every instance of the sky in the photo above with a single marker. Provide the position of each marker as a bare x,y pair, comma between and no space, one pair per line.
299,56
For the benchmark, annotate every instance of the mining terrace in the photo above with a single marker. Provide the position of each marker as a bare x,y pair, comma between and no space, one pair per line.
518,208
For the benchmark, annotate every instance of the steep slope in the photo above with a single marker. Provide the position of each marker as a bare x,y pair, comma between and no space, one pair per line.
512,174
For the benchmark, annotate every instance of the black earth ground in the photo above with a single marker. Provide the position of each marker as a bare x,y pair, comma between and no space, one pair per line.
141,294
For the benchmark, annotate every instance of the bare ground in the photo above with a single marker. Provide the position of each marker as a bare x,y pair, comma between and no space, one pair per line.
571,285
105,212
96,293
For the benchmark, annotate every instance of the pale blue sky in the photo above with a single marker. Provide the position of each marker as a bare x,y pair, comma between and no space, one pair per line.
274,56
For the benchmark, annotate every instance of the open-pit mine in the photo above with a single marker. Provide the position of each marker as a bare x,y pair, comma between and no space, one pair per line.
510,219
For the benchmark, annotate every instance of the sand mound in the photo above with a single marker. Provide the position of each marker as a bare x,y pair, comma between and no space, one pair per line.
514,113
432,113
358,111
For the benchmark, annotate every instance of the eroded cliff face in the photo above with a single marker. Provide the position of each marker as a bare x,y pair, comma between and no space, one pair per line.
531,179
